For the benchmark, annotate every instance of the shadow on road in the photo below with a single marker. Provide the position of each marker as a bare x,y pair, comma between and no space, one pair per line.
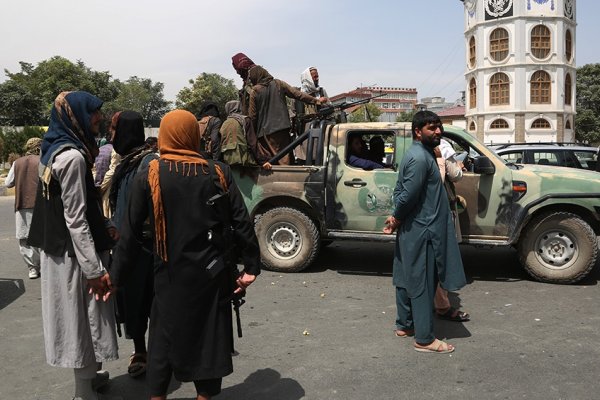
481,264
261,384
264,384
355,259
10,290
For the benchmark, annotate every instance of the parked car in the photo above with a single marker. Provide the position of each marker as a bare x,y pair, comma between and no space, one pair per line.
555,154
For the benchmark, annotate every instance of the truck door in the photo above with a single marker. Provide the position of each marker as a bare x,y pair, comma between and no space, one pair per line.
365,180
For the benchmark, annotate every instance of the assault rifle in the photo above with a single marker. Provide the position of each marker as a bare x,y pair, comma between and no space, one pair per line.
328,111
222,237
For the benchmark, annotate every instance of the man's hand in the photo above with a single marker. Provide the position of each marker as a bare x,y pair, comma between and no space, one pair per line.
267,165
113,233
243,281
322,100
101,287
391,224
437,152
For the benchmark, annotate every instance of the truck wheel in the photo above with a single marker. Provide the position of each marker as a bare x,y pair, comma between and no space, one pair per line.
288,239
558,247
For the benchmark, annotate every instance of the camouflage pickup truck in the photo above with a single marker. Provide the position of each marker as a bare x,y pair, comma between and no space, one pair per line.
550,214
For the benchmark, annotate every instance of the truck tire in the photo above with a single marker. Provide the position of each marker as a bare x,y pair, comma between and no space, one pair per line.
558,247
288,239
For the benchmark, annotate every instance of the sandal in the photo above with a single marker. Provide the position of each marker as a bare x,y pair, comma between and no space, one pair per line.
437,346
404,333
454,315
137,364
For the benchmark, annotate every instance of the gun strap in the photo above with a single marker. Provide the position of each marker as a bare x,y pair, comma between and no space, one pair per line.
225,217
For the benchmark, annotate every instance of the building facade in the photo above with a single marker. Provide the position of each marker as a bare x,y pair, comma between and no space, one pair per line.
393,100
520,74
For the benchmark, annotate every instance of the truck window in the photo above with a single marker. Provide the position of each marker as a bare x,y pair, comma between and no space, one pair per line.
370,150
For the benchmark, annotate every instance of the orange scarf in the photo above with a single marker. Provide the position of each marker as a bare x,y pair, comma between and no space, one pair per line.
178,143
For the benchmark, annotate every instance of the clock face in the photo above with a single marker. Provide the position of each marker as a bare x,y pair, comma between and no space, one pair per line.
569,9
498,9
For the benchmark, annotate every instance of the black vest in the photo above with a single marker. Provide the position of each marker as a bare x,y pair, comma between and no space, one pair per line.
49,230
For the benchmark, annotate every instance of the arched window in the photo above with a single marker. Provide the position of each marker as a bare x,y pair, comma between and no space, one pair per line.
540,41
568,89
499,44
568,45
499,89
472,126
472,55
568,124
499,124
540,123
540,87
472,93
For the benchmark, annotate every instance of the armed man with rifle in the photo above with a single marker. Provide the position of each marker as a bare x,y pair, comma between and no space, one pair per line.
197,216
269,113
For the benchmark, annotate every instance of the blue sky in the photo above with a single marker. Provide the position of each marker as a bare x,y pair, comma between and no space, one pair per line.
417,44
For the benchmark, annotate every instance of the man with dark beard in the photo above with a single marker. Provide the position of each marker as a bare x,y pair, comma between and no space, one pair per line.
426,248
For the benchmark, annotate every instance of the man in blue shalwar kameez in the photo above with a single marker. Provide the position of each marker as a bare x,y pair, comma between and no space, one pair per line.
426,248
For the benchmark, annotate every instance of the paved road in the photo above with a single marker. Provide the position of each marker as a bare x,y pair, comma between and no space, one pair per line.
327,334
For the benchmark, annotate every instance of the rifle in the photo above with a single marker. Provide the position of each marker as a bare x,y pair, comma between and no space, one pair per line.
222,237
327,111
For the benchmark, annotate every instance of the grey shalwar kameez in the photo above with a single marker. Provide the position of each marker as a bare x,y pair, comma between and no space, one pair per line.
78,330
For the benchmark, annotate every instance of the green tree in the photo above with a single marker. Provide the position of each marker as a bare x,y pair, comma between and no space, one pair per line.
206,87
141,95
46,80
19,105
587,120
13,140
366,113
406,116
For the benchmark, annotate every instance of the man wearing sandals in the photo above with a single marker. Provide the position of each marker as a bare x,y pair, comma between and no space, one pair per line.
426,248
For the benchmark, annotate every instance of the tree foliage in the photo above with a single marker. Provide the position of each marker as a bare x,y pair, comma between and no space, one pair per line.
27,96
12,140
406,116
366,113
587,120
206,87
141,95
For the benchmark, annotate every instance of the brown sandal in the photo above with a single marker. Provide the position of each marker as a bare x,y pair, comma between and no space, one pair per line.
437,346
404,333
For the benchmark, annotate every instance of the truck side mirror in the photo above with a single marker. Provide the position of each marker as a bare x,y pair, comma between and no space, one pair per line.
483,166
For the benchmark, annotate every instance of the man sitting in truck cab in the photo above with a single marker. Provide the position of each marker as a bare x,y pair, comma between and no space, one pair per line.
358,155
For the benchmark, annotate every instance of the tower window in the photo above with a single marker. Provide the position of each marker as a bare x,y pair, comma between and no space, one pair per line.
569,46
540,123
540,41
499,89
472,93
499,124
499,44
472,54
472,126
568,89
568,124
540,88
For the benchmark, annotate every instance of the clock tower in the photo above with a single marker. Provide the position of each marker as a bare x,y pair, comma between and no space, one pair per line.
520,70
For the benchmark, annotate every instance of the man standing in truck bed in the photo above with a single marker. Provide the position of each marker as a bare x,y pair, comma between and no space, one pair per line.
269,113
426,246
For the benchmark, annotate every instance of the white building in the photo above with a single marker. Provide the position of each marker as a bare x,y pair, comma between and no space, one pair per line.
520,75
